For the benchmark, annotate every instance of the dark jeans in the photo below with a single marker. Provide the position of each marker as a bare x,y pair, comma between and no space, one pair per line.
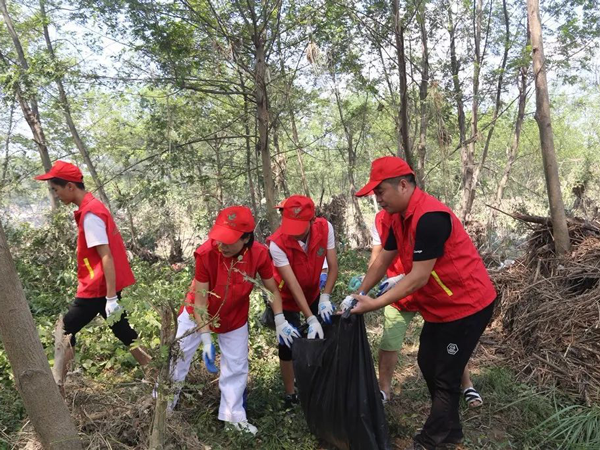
83,310
293,317
444,350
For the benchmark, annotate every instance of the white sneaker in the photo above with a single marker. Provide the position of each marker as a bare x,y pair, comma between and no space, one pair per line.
244,426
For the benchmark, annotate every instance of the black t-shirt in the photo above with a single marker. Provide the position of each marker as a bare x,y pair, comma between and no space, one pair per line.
433,230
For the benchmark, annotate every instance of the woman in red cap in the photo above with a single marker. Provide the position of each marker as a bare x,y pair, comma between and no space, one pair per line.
298,248
103,270
449,284
226,265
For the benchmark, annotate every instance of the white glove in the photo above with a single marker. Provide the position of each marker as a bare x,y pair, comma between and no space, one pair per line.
388,284
112,306
326,308
346,303
208,352
285,332
315,330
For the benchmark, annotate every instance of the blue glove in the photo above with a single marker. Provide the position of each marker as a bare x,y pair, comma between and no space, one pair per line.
285,332
322,280
326,308
208,353
355,282
388,284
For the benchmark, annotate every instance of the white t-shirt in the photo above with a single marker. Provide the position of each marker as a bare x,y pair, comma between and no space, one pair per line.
375,235
280,258
94,229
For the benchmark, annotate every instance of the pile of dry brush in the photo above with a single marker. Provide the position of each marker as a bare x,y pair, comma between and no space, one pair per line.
550,311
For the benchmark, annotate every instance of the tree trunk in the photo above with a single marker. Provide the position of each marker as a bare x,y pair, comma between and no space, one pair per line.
7,144
30,112
262,115
403,116
159,422
45,406
542,117
458,96
468,151
248,143
423,88
64,101
295,136
513,150
497,106
363,234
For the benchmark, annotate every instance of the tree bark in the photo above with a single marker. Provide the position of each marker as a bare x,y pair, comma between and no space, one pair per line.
468,151
46,408
404,132
64,102
7,144
262,115
159,422
30,111
497,106
423,92
562,241
295,136
513,150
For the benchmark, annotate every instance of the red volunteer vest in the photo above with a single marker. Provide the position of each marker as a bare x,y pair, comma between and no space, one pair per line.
305,265
383,223
459,285
230,304
90,274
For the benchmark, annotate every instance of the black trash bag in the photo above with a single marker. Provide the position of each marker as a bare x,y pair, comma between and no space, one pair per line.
338,388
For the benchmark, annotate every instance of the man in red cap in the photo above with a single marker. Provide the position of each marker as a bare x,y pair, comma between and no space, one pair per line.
298,248
103,270
449,284
226,265
398,318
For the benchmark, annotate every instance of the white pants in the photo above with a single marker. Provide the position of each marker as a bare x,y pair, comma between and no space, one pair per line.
234,365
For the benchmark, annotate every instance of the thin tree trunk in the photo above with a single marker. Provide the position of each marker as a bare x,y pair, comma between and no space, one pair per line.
458,96
247,142
562,241
7,144
403,116
423,88
45,406
295,136
159,422
30,111
262,115
219,180
468,152
513,150
363,236
497,107
64,101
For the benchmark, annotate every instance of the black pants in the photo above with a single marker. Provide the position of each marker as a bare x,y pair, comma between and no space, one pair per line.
293,317
444,350
83,310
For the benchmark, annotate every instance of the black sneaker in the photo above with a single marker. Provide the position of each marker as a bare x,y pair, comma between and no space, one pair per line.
290,400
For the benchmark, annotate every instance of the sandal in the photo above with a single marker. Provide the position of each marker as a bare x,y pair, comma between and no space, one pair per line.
472,397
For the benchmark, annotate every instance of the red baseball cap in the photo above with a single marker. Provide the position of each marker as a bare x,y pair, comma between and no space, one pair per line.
382,169
298,211
231,223
63,170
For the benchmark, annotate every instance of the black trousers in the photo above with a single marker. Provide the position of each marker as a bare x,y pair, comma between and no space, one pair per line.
83,310
293,317
444,350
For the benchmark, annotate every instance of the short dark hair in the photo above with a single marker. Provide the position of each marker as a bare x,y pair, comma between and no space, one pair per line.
396,180
250,235
63,183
